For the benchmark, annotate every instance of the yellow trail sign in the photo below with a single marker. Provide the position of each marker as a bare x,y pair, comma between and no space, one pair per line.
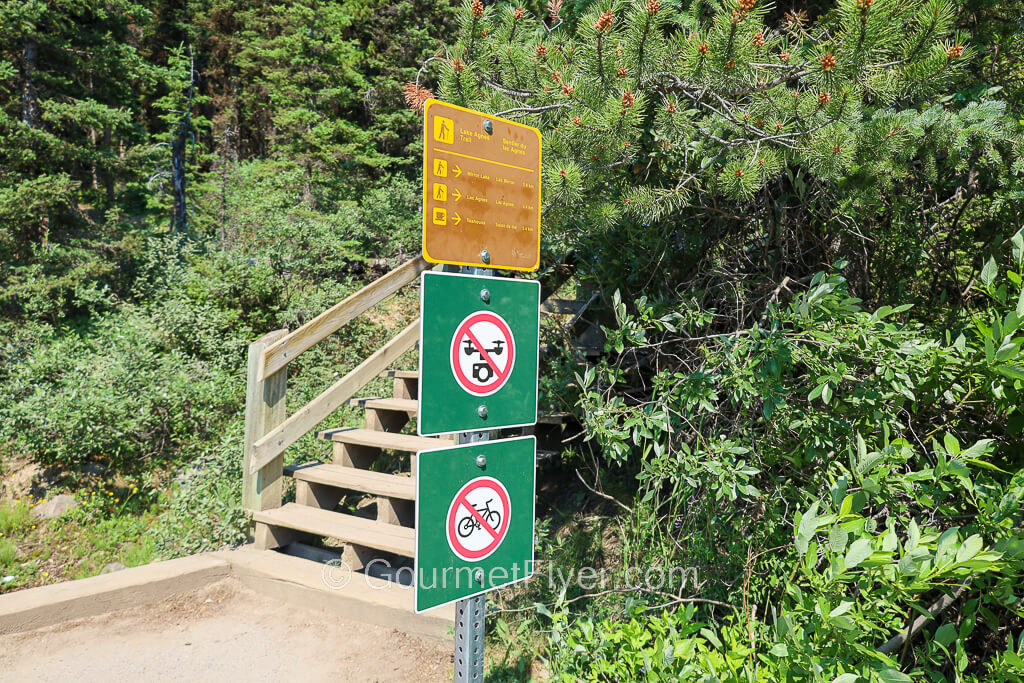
481,189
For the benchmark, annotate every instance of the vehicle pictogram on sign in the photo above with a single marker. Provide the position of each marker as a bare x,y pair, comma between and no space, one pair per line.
483,353
478,518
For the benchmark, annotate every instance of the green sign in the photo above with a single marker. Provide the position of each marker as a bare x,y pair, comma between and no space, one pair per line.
478,353
474,519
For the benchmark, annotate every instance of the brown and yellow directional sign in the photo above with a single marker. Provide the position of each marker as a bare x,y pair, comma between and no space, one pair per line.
481,189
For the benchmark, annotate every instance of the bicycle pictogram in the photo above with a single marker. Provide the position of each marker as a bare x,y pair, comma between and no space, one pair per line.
471,523
478,518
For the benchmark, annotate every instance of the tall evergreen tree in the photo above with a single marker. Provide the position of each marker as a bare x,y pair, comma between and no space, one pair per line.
69,113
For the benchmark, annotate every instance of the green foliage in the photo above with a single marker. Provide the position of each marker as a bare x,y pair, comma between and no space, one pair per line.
643,104
898,447
119,396
206,512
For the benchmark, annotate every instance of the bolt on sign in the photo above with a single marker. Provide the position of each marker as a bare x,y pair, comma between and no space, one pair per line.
474,519
478,352
481,189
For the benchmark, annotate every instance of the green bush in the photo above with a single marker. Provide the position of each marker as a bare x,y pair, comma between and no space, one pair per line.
116,394
847,468
205,512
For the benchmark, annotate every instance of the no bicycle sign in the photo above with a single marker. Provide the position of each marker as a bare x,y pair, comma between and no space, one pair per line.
478,352
478,519
474,519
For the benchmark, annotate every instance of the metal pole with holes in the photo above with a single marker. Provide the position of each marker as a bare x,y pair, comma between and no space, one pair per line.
470,613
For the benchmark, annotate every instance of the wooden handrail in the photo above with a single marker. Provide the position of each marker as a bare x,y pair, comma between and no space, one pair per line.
279,354
317,410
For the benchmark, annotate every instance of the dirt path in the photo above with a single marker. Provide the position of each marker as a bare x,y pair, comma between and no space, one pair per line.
222,633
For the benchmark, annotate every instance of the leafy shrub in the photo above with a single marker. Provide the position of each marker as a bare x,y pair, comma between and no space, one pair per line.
899,449
117,395
205,512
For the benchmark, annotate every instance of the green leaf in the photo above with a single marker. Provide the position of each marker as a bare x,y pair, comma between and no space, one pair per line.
846,506
837,538
844,607
1011,371
846,678
989,272
826,392
780,650
894,676
913,535
859,551
945,634
969,548
808,525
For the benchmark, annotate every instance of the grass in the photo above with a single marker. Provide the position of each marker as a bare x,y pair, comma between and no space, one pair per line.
13,517
108,526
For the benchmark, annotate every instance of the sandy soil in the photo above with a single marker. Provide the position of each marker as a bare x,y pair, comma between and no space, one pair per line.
221,633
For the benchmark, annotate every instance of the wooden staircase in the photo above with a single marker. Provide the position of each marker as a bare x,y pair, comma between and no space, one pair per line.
359,506
322,488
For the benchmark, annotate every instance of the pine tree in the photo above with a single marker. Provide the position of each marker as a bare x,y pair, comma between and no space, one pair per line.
69,114
643,105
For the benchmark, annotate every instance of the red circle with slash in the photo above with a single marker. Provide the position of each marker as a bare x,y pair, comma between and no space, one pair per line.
478,518
480,343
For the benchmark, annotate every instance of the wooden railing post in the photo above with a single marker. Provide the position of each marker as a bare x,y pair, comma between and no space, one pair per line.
264,410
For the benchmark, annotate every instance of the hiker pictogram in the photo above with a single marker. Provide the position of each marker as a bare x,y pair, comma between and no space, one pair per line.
483,353
478,518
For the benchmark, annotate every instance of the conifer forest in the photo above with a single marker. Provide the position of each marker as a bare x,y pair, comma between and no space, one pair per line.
798,225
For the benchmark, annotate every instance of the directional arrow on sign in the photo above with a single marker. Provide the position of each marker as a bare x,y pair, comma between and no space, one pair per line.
456,219
457,171
457,195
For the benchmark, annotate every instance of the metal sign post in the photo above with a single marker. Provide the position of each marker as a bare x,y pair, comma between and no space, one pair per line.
470,617
471,613
479,355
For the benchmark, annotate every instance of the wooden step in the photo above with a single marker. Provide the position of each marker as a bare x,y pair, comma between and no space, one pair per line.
400,405
563,306
361,532
386,440
403,374
353,479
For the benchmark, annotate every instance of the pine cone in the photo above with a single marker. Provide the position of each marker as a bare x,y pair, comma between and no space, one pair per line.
863,4
828,61
458,65
794,20
478,9
542,51
483,34
783,56
671,108
823,99
954,52
604,22
739,172
653,6
702,48
836,149
730,64
621,73
556,76
759,39
554,7
628,99
567,89
519,14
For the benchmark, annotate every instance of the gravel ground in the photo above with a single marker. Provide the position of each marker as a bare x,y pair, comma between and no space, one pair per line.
221,633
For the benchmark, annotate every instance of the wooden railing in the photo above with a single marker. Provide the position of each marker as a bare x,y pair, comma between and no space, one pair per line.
268,432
